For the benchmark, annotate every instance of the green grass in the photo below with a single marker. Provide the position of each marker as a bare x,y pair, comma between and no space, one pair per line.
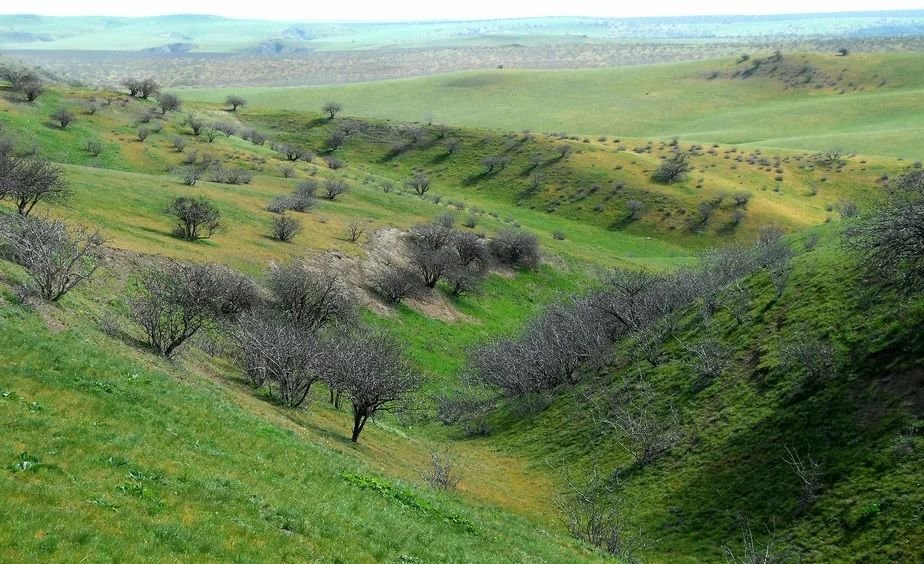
731,464
116,453
655,101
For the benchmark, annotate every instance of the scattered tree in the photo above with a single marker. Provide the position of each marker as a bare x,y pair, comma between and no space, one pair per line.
308,296
672,169
196,218
235,102
63,117
419,183
516,248
395,283
443,472
332,109
28,181
55,256
169,103
285,227
334,187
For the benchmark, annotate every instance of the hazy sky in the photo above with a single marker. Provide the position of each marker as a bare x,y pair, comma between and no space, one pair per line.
439,9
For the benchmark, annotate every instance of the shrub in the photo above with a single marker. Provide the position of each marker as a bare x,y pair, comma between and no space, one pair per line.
63,117
285,228
672,169
334,187
94,147
395,283
190,174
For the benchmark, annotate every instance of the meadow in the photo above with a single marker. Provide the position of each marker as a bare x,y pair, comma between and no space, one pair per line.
119,454
870,107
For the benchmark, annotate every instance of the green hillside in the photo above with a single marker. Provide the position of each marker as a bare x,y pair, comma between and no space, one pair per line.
117,453
860,103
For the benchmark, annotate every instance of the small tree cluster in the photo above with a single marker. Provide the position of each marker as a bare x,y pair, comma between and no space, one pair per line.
142,88
175,301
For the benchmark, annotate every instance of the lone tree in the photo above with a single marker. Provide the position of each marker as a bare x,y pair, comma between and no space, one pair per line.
891,241
334,187
63,117
495,163
169,103
23,80
285,227
672,169
196,218
56,257
173,302
133,85
419,183
374,375
235,102
29,181
332,109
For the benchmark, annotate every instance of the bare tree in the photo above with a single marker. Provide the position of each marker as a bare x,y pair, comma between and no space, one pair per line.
890,242
295,153
195,123
172,302
147,88
635,208
419,183
55,256
495,163
190,174
235,102
516,248
355,231
277,352
817,357
23,80
334,187
470,249
169,103
808,471
375,377
133,85
597,512
432,264
395,283
751,550
333,162
672,169
285,227
332,109
309,296
63,117
444,472
452,145
178,143
28,181
196,218
143,133
641,430
563,150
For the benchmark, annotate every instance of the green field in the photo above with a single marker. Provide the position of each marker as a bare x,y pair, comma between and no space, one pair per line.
659,101
118,454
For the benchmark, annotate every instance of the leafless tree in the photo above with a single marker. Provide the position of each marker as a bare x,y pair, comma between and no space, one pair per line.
55,256
285,227
635,208
463,280
235,102
195,123
563,150
444,472
332,109
28,181
890,242
333,162
310,296
452,145
395,283
172,302
355,231
642,430
375,377
63,117
419,183
279,353
495,163
23,80
147,88
597,512
334,187
817,357
178,143
169,103
226,128
808,471
709,358
133,85
143,133
753,551
516,248
672,169
470,249
196,218
295,153
433,235
190,174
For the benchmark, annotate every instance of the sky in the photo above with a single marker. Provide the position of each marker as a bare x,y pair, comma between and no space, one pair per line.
391,10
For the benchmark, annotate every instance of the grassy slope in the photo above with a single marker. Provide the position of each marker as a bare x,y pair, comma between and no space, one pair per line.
127,203
653,101
731,465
